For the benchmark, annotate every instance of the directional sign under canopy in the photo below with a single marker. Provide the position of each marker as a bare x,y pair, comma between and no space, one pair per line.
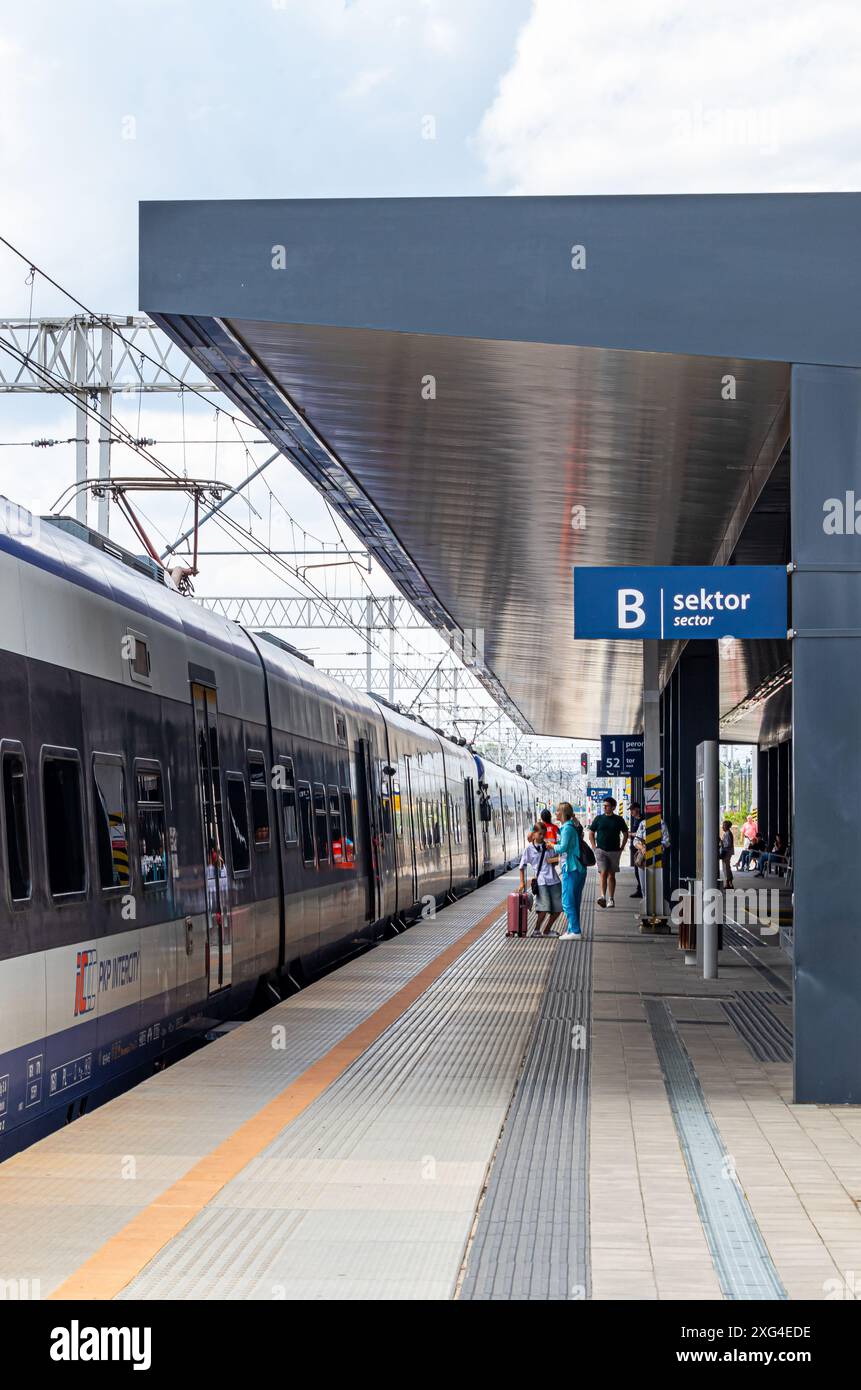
622,755
686,601
599,793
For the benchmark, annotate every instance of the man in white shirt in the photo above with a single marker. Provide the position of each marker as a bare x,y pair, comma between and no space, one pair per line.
539,861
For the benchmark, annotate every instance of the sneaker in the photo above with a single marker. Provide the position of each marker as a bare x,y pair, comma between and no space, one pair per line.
570,935
611,902
602,902
545,934
638,894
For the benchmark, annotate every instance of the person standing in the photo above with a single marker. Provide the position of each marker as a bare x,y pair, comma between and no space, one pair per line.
749,836
727,850
552,829
609,835
573,869
636,817
544,881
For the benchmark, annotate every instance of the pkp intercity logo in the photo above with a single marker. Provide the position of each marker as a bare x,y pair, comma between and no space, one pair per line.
86,981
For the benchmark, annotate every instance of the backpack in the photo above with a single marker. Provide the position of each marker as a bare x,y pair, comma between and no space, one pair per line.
587,854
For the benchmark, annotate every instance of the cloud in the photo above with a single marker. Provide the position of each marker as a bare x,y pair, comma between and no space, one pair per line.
366,81
659,96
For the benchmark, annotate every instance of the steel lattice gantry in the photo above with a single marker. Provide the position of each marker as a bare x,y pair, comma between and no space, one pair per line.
93,358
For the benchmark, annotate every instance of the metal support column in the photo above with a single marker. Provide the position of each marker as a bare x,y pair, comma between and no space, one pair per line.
369,627
79,377
105,402
762,791
392,650
826,748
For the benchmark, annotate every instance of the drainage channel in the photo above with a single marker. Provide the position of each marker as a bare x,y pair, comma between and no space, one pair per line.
741,1259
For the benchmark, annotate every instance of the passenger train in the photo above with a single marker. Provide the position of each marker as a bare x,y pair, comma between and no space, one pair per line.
192,815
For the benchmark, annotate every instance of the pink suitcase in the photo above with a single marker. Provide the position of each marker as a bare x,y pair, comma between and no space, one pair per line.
518,914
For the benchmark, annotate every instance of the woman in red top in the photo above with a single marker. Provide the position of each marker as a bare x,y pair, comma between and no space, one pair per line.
552,830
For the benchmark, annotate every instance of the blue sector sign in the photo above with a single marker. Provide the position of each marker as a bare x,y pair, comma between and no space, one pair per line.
598,793
688,601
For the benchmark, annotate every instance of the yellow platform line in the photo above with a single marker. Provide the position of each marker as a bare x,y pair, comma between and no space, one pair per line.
116,1263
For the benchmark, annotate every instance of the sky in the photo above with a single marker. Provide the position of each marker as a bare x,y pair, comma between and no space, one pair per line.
129,100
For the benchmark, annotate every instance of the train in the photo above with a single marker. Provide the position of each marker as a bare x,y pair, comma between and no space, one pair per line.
194,819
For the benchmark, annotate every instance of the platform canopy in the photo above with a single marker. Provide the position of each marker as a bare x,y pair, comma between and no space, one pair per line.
493,390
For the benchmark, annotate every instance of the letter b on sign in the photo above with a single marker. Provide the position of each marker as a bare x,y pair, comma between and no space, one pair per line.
631,612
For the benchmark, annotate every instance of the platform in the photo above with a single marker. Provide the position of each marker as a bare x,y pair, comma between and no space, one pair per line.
458,1115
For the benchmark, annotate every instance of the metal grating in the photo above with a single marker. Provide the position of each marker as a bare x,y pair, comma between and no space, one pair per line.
741,1259
531,1239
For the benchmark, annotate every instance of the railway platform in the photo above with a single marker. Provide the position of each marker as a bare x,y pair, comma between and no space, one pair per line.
457,1115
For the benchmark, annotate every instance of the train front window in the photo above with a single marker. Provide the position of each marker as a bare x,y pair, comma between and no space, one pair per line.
321,823
17,836
152,839
335,826
237,818
259,800
109,805
306,822
64,825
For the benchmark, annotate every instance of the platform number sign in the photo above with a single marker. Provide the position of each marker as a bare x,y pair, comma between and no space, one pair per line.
622,755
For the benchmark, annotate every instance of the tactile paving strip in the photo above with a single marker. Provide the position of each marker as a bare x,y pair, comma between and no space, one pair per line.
371,1192
64,1197
741,1259
738,942
768,1039
531,1239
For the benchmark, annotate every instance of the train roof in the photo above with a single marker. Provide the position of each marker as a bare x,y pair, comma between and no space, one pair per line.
64,547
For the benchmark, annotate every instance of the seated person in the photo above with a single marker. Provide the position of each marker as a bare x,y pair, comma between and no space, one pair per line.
776,856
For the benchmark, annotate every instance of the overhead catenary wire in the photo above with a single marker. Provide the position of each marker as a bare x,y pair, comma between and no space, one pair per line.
104,321
129,441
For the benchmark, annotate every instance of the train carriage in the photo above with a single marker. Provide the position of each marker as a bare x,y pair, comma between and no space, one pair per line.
192,814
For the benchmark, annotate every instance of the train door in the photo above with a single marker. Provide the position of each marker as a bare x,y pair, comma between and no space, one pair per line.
410,824
219,940
502,826
370,833
472,838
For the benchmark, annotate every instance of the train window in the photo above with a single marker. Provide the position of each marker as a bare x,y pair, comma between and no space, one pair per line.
112,838
17,829
259,799
321,825
349,849
396,807
136,649
385,800
64,824
335,826
237,816
306,822
286,783
453,819
152,840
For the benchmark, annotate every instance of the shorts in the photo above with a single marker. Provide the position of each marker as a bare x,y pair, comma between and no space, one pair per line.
549,897
607,860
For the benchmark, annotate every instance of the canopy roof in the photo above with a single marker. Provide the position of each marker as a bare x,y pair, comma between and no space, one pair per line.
486,415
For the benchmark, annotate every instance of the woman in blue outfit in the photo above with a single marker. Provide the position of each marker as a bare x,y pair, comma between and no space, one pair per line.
573,869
